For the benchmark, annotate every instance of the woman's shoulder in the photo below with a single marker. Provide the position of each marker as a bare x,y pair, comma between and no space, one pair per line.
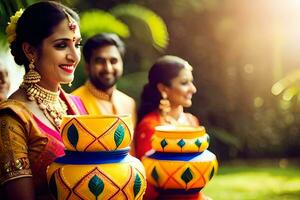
16,108
150,119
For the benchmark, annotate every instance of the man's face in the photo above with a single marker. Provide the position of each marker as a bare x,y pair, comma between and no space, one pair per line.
4,83
105,67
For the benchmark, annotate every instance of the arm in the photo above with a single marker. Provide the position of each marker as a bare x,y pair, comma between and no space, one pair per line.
15,172
143,134
20,188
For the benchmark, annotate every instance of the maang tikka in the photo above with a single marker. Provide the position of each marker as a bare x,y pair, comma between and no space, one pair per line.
31,76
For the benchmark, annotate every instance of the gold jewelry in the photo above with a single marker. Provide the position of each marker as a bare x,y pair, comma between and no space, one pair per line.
164,104
70,84
49,102
72,25
31,76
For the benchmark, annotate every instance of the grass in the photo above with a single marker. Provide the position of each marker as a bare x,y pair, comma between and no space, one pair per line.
256,181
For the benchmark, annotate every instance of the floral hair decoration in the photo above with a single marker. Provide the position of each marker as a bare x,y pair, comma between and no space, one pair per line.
12,25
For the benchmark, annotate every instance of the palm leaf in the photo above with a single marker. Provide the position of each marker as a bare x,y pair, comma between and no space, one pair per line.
286,82
7,9
98,21
154,22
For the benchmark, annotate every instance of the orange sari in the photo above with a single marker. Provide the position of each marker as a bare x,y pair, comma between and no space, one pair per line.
143,133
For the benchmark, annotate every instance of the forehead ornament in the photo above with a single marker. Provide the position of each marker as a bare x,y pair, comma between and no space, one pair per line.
72,24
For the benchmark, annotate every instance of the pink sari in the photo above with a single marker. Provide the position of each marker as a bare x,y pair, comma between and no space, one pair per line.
54,147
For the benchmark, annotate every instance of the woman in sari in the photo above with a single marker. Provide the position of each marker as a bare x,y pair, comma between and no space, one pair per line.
45,38
169,90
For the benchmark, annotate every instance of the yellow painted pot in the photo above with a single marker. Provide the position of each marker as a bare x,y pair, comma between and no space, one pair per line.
180,139
179,163
96,164
96,133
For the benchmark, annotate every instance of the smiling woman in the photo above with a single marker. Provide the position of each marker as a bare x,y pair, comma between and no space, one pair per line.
169,89
45,38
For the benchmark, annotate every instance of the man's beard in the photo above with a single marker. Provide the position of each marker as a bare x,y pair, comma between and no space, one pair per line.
102,85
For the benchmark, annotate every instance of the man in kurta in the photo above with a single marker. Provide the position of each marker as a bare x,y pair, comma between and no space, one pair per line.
104,65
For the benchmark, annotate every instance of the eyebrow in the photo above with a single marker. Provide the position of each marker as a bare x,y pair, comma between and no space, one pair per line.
66,39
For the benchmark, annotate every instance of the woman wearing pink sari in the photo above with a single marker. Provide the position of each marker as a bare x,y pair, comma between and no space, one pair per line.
45,38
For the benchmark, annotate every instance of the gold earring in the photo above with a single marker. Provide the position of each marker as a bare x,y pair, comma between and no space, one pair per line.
31,76
70,84
164,104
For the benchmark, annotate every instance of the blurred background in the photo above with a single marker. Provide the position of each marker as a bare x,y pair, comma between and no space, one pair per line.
246,59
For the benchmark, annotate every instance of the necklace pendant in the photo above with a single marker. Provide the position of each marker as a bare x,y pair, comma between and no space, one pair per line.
31,98
42,106
57,122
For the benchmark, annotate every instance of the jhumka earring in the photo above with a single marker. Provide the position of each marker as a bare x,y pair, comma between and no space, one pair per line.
164,104
31,76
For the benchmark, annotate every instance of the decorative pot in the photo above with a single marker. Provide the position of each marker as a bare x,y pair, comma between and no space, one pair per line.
96,164
179,164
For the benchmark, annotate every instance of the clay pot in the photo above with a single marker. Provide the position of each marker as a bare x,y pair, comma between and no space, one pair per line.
96,164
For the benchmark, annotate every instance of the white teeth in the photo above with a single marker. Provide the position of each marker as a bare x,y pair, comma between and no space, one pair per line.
68,67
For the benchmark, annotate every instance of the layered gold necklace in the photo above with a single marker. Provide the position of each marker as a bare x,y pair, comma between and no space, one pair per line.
49,102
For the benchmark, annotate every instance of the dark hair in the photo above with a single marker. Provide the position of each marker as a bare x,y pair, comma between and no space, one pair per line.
101,40
162,71
37,23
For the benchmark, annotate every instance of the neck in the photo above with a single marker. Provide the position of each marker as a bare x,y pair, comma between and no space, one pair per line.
108,91
47,86
175,112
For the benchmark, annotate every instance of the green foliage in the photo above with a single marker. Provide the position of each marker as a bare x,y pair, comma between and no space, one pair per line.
288,86
154,22
7,9
99,21
249,182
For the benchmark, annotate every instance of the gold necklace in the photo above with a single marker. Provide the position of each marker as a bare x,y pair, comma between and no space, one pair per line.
49,102
168,119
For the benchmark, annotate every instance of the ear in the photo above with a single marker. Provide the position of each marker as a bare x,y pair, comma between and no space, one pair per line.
29,51
162,88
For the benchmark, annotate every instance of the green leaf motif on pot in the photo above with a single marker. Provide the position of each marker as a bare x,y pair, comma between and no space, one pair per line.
73,135
208,139
163,143
137,185
96,186
212,173
119,135
53,186
198,143
154,174
187,175
181,143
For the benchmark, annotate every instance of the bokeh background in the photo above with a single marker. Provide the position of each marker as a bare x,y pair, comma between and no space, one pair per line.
246,59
